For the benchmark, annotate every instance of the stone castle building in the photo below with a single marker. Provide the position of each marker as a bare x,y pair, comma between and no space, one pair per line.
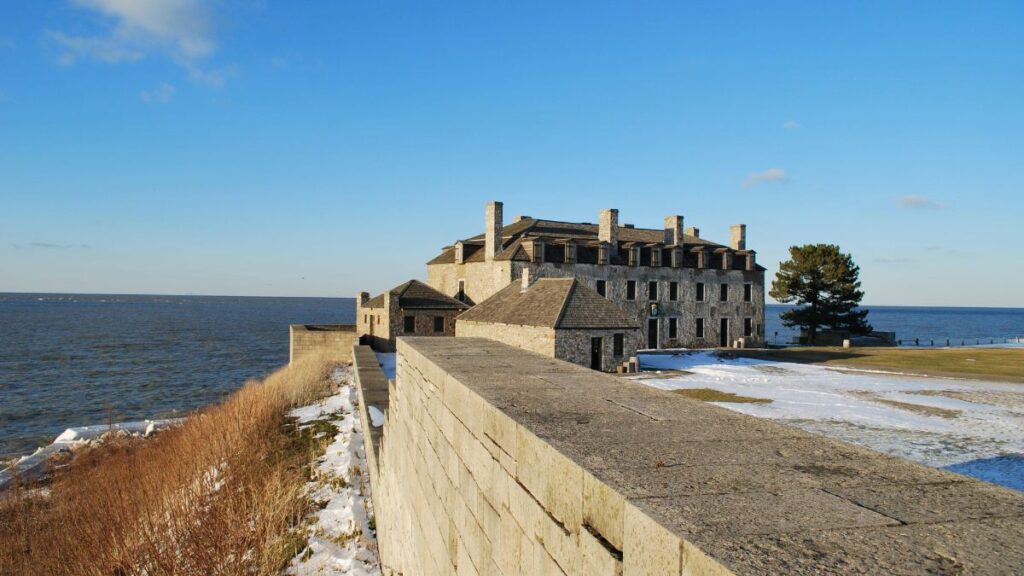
410,309
683,290
557,317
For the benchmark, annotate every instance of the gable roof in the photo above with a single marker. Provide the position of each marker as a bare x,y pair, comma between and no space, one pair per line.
583,232
560,303
414,295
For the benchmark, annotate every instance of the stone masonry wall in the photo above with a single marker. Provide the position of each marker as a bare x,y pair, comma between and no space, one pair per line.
306,338
483,279
574,346
494,460
532,338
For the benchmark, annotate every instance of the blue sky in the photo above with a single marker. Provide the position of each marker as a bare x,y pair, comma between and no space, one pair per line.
321,148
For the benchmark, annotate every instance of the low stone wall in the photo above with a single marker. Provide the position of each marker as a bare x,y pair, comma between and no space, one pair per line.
494,460
305,338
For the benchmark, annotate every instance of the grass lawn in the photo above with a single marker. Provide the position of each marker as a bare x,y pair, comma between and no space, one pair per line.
980,363
712,395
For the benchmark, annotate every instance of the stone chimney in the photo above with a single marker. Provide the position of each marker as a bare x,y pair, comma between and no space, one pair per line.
460,252
492,233
526,279
738,236
608,230
693,231
363,298
673,231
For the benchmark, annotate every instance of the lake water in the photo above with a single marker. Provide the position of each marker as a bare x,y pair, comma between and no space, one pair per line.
75,360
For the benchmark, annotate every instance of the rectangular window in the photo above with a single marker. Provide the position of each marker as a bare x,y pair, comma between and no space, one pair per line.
410,324
631,290
601,287
673,291
366,318
438,324
700,327
748,327
700,291
673,328
723,293
652,291
748,292
617,344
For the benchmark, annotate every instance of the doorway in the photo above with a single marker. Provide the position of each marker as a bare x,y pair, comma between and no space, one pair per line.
652,333
595,353
723,333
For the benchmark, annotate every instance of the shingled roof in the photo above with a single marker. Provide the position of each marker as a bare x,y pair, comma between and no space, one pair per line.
513,235
561,303
417,295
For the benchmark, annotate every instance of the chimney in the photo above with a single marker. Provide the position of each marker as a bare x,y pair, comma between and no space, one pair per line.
492,233
363,298
526,279
693,231
519,218
673,231
738,236
608,230
460,252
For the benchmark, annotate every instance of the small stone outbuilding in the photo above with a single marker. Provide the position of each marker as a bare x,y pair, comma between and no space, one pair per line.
558,317
410,309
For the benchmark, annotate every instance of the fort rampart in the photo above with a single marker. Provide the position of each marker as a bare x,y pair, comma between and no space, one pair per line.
306,338
494,460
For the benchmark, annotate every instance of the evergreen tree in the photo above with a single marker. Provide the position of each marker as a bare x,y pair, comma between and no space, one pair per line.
826,284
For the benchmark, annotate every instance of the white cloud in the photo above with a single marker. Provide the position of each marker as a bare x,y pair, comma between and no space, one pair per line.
769,175
913,201
180,30
161,94
791,125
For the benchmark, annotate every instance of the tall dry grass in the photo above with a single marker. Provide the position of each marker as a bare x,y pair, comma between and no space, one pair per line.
217,495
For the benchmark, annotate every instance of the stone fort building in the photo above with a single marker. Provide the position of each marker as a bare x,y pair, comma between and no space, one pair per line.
409,309
683,290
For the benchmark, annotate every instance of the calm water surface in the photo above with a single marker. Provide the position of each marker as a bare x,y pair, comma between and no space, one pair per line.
74,360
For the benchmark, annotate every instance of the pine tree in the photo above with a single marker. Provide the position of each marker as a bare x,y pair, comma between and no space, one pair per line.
826,284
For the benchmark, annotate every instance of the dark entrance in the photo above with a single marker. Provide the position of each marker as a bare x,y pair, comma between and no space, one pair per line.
723,333
595,353
652,333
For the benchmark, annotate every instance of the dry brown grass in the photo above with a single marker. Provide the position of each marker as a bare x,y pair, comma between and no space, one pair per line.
712,395
217,495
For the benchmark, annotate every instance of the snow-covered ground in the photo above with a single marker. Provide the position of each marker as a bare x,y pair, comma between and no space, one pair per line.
971,427
342,541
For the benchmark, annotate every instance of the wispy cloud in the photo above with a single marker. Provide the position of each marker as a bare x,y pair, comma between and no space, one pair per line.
892,260
769,175
48,246
181,30
790,125
921,202
162,94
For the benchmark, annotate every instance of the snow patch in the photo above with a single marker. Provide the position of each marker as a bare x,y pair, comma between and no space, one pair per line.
341,540
980,434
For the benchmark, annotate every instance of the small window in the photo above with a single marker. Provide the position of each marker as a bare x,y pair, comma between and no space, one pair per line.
673,291
748,327
723,293
366,318
700,291
617,344
652,291
748,292
601,287
700,328
631,290
410,324
438,324
673,328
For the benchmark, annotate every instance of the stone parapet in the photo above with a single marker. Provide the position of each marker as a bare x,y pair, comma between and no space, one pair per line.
306,338
495,460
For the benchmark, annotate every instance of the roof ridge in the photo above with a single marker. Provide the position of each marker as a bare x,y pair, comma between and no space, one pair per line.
565,302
